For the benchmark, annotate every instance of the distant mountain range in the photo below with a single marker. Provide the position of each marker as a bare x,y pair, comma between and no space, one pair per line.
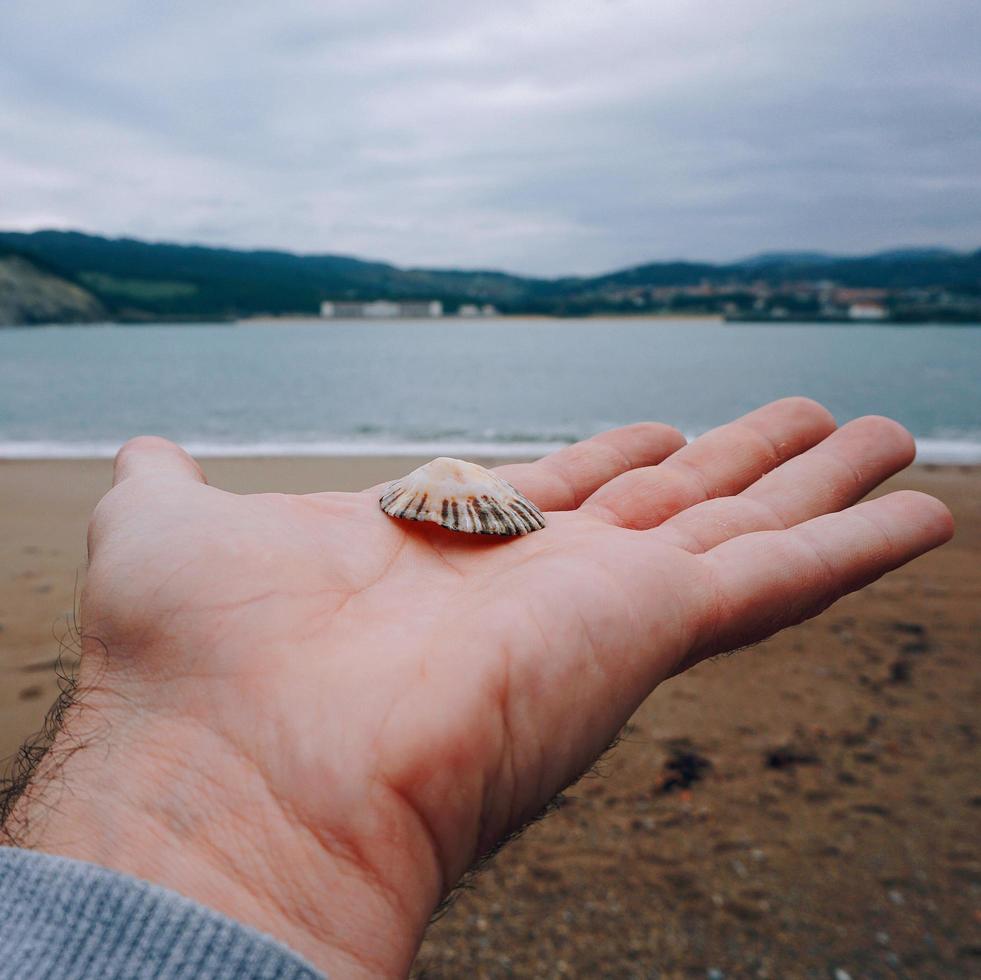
70,276
806,259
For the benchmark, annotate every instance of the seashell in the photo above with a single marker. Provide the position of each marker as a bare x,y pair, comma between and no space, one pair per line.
463,497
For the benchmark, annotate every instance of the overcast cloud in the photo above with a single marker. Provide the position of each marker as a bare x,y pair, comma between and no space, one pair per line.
561,136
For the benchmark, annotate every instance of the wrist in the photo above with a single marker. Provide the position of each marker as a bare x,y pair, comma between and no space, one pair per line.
172,802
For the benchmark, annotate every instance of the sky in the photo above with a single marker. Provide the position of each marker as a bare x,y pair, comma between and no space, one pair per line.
542,137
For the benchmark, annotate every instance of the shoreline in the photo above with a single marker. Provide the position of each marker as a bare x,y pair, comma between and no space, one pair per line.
680,319
715,318
285,319
930,452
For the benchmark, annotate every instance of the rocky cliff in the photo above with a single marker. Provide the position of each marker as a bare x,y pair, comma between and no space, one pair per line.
28,294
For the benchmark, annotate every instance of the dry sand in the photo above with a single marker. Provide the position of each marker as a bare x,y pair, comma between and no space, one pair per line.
808,806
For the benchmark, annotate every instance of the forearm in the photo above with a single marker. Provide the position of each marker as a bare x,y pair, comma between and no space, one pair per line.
170,802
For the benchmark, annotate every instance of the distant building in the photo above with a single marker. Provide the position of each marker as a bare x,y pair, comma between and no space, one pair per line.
867,311
847,296
426,308
380,309
472,310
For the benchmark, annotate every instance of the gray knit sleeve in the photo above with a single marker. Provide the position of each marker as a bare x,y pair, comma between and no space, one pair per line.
67,920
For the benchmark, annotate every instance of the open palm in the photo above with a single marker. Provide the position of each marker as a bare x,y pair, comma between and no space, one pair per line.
344,711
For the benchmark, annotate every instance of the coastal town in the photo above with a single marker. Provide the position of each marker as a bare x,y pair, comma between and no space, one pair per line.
801,301
804,300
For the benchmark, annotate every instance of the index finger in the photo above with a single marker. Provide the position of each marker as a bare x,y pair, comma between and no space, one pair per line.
564,479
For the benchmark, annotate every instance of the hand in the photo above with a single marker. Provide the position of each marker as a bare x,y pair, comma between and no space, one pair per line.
315,718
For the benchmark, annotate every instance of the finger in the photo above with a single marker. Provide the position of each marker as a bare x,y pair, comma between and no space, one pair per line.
150,457
720,463
563,479
833,475
762,582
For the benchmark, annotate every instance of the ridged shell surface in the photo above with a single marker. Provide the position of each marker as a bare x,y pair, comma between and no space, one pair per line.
463,497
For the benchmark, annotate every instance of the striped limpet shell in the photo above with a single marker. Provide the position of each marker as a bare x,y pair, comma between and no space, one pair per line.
463,497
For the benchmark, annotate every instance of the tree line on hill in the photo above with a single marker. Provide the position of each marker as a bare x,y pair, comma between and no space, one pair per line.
51,276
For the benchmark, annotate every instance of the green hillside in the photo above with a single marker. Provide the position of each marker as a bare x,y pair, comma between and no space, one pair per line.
138,281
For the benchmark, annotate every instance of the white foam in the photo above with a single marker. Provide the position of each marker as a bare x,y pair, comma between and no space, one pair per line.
947,451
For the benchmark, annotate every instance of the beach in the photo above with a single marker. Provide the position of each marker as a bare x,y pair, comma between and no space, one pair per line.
807,806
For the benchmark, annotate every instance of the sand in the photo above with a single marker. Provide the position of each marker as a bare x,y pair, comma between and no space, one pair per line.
808,806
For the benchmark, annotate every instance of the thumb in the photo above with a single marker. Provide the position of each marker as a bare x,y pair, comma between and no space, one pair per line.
152,458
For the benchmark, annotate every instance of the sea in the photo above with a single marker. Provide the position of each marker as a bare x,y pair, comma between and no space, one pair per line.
513,386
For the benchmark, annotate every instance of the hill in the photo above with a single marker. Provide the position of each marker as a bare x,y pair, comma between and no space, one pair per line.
132,280
31,294
137,280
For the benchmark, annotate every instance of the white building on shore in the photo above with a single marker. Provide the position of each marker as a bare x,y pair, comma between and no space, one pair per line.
473,310
867,311
380,309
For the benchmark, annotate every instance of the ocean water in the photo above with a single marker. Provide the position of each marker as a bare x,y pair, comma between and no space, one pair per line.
502,386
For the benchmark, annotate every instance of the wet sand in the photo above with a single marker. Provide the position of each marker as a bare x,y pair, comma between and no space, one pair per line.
807,806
